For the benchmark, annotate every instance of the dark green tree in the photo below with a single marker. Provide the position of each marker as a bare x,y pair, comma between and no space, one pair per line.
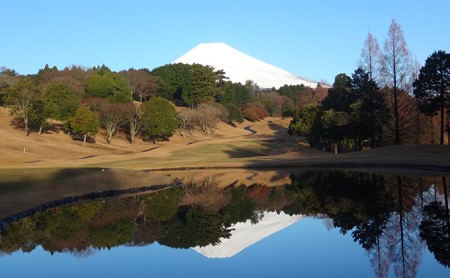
174,80
235,93
205,82
302,124
60,102
432,88
85,122
234,113
292,91
7,78
159,118
110,85
336,107
368,111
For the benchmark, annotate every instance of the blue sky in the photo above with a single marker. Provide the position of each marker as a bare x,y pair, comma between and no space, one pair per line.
314,39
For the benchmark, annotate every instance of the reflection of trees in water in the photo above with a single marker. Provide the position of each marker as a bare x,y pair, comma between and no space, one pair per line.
435,227
402,233
168,216
383,214
195,226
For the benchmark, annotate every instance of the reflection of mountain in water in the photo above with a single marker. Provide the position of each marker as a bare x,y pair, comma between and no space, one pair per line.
390,217
246,233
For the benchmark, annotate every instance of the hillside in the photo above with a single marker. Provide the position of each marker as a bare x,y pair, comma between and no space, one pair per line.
269,147
54,148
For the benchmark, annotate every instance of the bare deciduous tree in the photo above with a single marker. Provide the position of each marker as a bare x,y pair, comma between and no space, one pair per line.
396,72
24,100
142,83
133,119
111,115
209,114
187,119
371,57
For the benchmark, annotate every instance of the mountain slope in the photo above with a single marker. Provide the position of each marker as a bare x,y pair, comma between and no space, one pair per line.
240,67
245,234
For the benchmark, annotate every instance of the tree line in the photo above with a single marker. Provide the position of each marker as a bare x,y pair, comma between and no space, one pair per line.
150,104
389,99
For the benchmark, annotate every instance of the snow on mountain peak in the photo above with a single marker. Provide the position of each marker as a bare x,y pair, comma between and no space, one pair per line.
240,67
245,234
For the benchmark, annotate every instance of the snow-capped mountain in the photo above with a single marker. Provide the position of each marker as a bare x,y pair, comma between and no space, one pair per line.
246,234
240,67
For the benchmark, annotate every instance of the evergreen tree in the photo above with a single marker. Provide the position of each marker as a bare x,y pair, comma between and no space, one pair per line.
369,109
432,88
110,85
174,81
204,85
303,123
235,93
159,118
60,102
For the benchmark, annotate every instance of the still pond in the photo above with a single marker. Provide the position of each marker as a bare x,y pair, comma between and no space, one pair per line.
315,224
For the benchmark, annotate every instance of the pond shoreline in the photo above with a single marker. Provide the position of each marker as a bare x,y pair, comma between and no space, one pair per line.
61,202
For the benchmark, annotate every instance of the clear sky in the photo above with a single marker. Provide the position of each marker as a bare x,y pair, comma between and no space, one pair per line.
315,39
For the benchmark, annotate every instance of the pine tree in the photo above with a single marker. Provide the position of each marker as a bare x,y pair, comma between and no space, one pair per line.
432,88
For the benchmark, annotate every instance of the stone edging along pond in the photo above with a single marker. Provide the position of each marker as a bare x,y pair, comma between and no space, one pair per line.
85,197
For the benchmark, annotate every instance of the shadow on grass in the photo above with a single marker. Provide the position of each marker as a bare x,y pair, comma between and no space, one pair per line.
265,148
22,179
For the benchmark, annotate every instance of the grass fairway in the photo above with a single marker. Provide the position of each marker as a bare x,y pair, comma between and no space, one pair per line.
15,179
197,155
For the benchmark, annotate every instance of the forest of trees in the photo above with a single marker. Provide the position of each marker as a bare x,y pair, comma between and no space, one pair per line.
389,99
138,103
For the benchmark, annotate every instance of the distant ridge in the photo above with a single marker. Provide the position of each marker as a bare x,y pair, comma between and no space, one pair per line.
240,67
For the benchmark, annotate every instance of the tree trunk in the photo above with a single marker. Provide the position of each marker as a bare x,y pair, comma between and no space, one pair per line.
84,139
40,129
432,130
448,126
396,117
132,138
418,125
25,123
441,140
334,146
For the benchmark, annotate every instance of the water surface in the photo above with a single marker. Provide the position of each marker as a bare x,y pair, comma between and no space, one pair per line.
306,223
